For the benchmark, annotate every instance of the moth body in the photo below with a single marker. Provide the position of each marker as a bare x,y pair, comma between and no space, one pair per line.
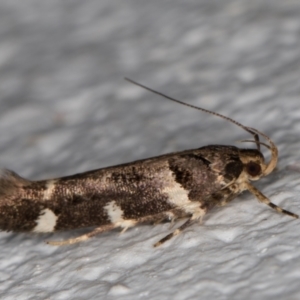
185,184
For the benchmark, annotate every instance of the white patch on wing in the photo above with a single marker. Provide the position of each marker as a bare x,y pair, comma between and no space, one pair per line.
114,212
46,221
179,196
50,185
115,215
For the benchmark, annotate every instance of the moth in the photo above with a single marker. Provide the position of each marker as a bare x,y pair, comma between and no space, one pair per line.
182,185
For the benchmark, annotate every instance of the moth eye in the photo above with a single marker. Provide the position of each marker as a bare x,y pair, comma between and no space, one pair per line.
253,169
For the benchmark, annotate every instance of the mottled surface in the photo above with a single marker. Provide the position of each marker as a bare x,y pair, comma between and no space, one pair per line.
182,184
65,108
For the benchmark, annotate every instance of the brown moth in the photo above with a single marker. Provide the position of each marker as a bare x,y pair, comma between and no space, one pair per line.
179,185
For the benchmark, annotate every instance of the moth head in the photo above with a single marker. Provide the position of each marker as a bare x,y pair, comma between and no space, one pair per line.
254,163
253,159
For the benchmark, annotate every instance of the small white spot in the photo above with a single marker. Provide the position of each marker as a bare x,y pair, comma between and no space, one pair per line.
50,185
114,212
115,215
46,221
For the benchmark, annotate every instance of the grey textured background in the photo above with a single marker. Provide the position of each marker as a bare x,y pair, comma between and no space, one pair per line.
65,108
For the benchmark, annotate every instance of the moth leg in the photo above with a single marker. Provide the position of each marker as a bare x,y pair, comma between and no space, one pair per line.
186,224
193,212
166,217
262,198
228,184
172,223
123,230
83,237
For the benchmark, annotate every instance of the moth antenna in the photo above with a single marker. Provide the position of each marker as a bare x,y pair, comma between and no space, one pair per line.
248,129
252,141
274,151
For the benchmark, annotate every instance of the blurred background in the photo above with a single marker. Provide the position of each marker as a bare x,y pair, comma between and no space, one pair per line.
65,108
62,65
